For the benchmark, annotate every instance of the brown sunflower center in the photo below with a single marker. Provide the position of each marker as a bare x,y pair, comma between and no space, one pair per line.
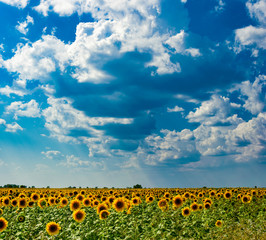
53,228
79,215
2,224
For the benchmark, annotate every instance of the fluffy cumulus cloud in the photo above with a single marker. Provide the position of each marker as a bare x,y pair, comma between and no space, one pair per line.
20,109
23,26
251,35
254,35
16,3
36,61
253,94
118,28
7,90
10,127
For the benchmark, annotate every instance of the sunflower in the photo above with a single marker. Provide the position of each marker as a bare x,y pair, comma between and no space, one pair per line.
186,195
200,207
162,203
101,207
212,193
177,201
79,215
21,218
227,195
86,202
119,204
22,203
63,201
111,199
53,228
135,201
42,203
194,207
166,195
3,224
208,200
200,195
218,223
75,205
95,203
80,197
246,199
35,197
104,214
207,205
186,211
1,211
6,201
149,199
30,204
51,201
14,202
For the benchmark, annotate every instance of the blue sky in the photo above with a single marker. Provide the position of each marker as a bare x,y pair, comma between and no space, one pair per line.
163,93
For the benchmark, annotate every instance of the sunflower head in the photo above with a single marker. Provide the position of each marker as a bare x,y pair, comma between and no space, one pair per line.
53,228
21,218
228,195
194,207
246,199
35,197
119,204
14,202
42,203
101,207
86,202
207,205
218,223
104,214
3,224
63,201
79,215
22,203
135,201
186,211
177,201
75,205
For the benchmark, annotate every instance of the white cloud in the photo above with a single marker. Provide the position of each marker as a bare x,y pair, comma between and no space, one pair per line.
214,111
251,35
61,118
253,94
2,121
66,9
248,139
171,145
13,127
23,26
16,3
175,109
37,61
30,109
7,90
257,9
52,154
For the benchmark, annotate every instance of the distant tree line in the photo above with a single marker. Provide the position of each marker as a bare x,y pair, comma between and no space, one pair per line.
14,186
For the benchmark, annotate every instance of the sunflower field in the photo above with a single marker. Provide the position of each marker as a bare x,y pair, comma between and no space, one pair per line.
187,213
